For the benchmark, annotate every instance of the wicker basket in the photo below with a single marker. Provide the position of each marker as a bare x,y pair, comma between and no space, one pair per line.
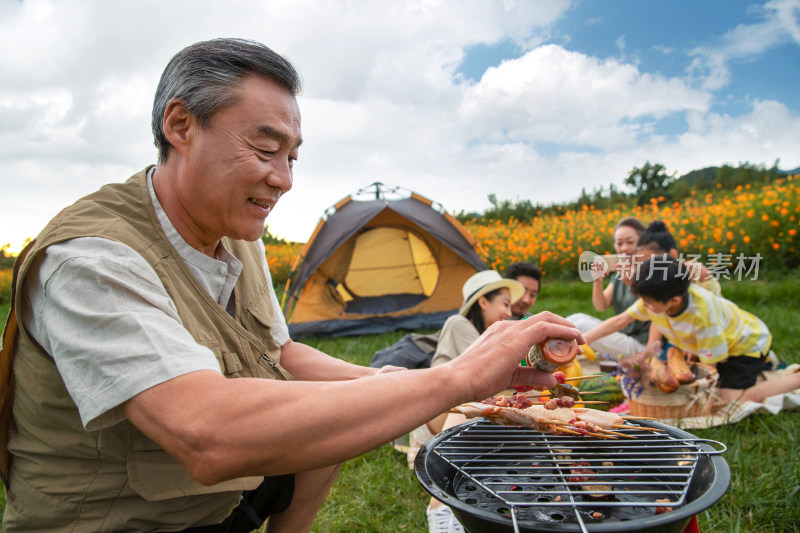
690,400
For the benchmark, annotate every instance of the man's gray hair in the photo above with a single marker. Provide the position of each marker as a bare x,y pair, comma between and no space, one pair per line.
205,77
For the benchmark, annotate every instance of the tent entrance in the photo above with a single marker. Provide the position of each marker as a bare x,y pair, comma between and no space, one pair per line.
391,268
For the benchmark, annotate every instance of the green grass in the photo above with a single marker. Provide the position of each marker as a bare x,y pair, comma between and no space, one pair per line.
377,491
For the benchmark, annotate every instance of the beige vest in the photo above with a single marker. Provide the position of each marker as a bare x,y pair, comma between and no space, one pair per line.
63,478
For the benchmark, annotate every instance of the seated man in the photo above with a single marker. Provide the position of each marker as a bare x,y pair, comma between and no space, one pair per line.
531,278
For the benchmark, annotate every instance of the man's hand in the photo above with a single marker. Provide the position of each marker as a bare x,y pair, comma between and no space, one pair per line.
492,363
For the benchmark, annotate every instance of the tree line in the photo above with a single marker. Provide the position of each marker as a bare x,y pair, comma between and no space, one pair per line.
644,183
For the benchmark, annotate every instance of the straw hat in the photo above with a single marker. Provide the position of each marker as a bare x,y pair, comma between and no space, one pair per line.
485,282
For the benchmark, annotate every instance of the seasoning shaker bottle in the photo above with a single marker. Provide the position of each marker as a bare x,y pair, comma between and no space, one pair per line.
551,354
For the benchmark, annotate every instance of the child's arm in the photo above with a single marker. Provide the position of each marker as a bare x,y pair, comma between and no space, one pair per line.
653,335
607,327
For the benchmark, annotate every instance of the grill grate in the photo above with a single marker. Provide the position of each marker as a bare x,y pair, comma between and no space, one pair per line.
528,475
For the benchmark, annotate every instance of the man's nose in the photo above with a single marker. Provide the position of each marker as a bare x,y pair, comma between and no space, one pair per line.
282,176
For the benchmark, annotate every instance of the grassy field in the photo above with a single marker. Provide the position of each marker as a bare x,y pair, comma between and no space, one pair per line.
377,491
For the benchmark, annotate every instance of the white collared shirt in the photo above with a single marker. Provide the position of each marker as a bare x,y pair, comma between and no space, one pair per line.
99,309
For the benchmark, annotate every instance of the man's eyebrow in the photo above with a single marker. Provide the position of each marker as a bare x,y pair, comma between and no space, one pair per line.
277,135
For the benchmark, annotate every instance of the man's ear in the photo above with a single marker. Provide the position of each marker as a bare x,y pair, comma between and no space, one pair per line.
673,253
178,125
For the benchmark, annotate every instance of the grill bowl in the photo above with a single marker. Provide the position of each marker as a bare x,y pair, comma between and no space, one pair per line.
444,480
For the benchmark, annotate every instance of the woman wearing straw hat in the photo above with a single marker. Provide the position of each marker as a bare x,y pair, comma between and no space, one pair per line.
487,299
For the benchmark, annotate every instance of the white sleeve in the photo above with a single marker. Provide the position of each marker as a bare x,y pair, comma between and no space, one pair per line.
101,311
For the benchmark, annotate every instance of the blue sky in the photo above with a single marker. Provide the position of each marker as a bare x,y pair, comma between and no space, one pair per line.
453,99
663,38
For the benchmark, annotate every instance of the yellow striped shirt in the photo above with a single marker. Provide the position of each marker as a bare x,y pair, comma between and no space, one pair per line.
710,326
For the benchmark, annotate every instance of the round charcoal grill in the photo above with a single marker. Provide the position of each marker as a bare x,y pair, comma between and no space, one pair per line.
503,478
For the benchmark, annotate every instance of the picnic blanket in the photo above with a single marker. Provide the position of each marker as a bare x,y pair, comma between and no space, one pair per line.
733,412
736,411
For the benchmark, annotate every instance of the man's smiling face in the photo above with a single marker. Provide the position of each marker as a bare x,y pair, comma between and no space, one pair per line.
241,163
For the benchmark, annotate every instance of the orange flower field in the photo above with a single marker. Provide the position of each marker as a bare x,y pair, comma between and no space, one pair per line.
751,226
722,228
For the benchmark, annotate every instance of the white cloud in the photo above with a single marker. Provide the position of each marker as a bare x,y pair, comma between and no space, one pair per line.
382,102
553,95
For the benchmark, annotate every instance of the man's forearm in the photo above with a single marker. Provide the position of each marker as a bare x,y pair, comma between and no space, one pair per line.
307,363
222,428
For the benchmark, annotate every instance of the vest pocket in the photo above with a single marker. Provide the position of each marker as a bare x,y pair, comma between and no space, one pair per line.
262,317
261,308
233,366
229,363
156,476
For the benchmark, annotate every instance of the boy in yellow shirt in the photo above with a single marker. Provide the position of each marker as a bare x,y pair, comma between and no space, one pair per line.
702,323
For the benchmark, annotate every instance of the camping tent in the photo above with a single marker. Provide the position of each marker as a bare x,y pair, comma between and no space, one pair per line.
379,260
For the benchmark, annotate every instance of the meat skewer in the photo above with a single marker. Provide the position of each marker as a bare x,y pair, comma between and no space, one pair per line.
623,426
540,402
579,421
510,416
556,415
509,392
577,378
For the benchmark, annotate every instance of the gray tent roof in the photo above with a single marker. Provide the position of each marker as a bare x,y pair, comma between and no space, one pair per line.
355,214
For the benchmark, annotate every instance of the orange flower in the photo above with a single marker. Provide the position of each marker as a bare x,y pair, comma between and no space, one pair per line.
792,232
776,245
750,213
746,238
729,235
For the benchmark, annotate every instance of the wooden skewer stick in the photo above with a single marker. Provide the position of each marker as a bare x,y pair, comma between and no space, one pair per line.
556,422
576,378
547,393
618,434
576,402
600,435
623,426
565,430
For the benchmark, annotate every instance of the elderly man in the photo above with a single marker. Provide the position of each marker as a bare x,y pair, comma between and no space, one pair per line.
154,382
